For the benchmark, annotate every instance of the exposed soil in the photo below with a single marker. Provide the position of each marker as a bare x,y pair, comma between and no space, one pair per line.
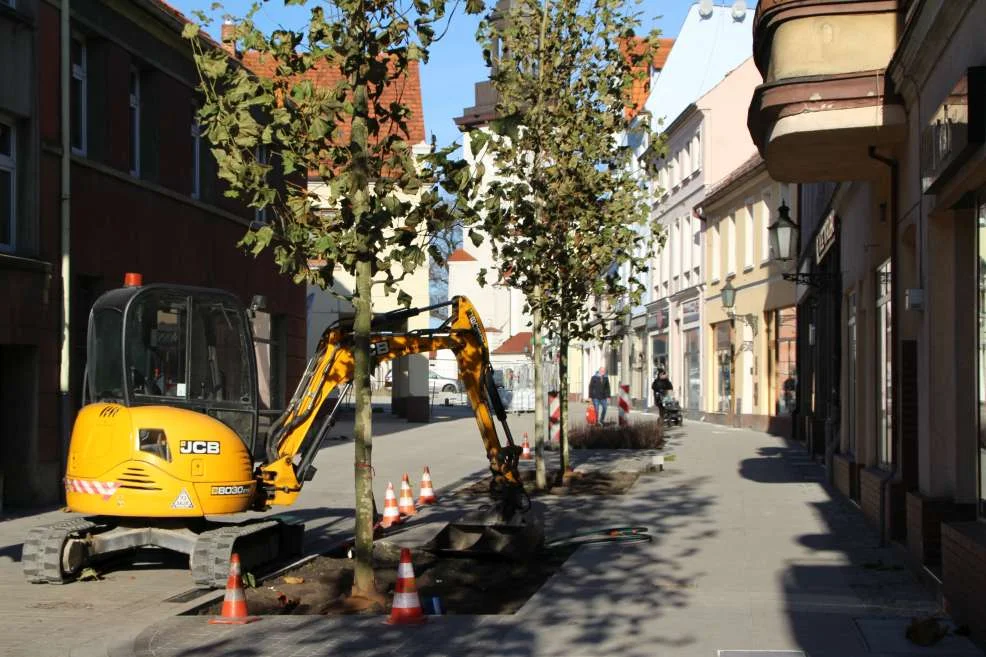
464,586
576,483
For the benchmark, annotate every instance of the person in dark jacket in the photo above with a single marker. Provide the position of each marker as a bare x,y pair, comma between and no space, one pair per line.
661,385
599,393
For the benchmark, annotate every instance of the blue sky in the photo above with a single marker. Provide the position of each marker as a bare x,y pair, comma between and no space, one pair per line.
456,62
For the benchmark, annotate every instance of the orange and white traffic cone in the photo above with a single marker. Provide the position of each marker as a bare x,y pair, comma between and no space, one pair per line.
391,516
406,503
526,454
234,611
406,608
427,492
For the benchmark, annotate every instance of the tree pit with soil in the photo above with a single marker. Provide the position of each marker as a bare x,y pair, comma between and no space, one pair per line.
575,483
464,585
639,435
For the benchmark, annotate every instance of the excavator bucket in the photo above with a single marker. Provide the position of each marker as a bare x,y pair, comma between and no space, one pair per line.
479,537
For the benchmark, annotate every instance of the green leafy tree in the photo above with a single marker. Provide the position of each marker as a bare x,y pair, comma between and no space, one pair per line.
270,126
568,217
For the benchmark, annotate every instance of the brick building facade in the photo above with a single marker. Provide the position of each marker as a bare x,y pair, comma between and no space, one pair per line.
143,196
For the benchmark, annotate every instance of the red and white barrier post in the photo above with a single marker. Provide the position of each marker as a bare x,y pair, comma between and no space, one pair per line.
554,417
624,405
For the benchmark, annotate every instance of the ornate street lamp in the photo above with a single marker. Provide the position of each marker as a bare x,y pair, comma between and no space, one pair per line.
783,235
728,293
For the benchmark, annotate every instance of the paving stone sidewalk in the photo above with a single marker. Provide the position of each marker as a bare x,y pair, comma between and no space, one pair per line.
751,552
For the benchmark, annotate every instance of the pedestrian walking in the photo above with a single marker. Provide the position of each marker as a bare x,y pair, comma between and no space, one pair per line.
599,393
661,386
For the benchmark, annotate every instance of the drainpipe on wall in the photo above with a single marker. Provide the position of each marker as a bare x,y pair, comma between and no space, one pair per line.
894,334
64,380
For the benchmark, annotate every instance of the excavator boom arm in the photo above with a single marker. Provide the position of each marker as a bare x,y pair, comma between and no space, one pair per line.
296,436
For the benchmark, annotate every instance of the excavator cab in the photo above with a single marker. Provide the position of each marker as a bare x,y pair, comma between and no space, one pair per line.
177,346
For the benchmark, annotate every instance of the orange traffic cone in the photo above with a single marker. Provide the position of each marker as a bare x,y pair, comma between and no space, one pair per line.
427,492
407,606
526,454
234,611
406,504
391,516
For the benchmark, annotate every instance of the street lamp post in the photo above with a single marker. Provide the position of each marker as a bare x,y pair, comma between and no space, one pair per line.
783,238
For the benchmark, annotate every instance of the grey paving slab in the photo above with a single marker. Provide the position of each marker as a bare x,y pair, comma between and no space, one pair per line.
750,552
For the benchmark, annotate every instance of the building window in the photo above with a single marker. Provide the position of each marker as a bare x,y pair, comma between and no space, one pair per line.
696,154
686,162
724,360
686,244
981,274
730,245
884,338
196,133
748,236
675,244
715,254
693,370
696,243
134,121
78,94
8,185
764,225
852,374
785,360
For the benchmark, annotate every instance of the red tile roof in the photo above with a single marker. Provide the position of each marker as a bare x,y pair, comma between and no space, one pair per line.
641,88
515,343
407,91
460,255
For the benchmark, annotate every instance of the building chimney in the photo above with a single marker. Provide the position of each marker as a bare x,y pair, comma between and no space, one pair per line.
228,36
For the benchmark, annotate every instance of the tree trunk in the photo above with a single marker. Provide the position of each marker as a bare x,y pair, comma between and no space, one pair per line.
566,465
541,478
363,582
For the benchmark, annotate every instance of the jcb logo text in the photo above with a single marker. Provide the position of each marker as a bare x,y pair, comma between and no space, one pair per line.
198,447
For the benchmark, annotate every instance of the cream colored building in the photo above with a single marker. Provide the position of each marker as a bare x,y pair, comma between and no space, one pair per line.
878,109
410,387
750,368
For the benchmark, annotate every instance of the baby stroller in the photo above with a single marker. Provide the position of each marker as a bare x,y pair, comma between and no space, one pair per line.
670,410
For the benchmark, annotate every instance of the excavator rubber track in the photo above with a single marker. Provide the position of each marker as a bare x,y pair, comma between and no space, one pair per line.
256,543
42,554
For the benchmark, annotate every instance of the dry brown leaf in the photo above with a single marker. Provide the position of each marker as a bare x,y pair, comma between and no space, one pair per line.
289,579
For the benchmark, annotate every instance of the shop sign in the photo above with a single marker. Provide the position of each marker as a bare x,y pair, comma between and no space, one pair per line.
658,320
825,237
689,312
955,130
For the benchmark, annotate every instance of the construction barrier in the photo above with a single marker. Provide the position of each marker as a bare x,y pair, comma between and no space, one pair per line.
624,405
234,610
554,416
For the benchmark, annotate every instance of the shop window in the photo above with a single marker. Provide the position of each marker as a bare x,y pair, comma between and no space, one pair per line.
785,359
724,364
693,370
851,348
885,371
8,185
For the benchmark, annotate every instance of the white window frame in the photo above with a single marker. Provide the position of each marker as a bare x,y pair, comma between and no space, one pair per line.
731,244
764,226
196,134
9,163
696,244
697,152
80,75
715,253
686,162
686,244
134,115
748,235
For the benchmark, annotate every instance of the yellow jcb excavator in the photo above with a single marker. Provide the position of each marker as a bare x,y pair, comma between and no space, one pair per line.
170,426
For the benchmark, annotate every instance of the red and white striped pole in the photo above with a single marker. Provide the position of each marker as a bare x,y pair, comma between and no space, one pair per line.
624,405
554,416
